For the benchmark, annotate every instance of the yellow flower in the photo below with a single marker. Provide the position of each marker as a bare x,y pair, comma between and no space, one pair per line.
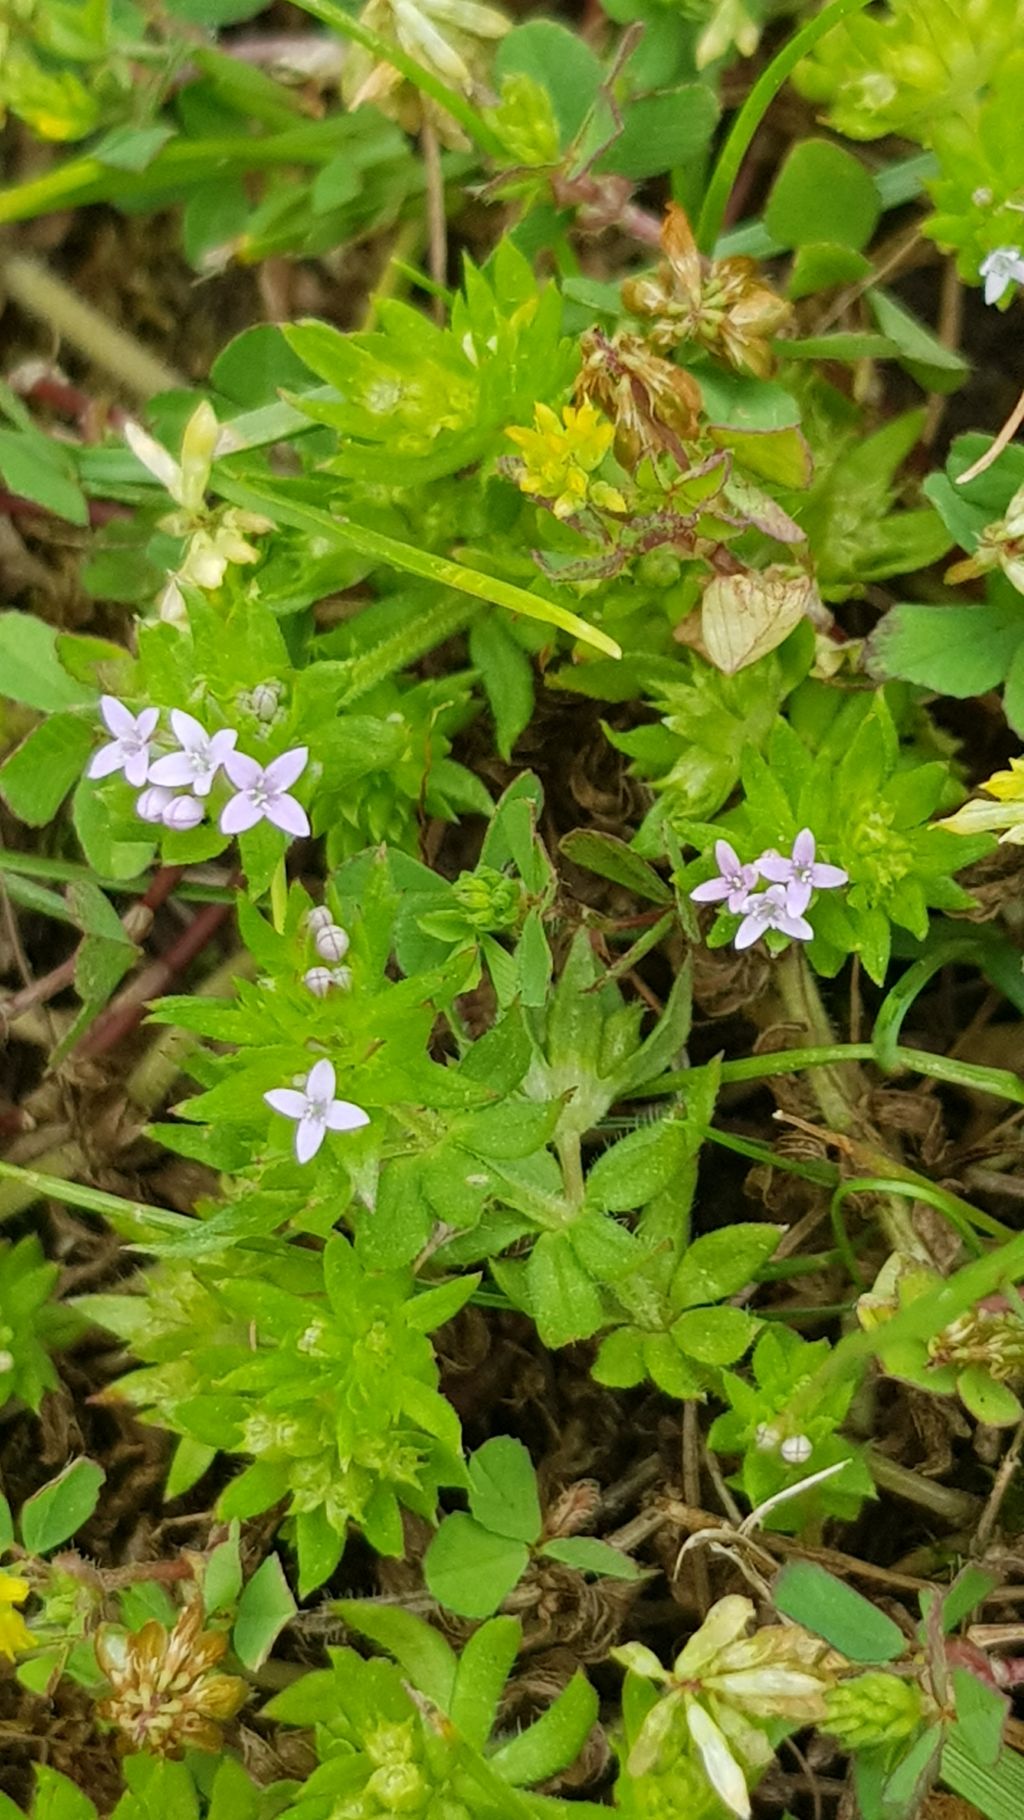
1008,786
559,459
15,1636
980,817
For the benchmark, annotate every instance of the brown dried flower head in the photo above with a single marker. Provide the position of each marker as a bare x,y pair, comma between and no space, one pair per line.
654,405
164,1697
722,304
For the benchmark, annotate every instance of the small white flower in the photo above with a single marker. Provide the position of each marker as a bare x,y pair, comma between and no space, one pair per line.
315,1109
770,910
128,751
331,943
263,793
796,1450
200,758
1003,267
801,873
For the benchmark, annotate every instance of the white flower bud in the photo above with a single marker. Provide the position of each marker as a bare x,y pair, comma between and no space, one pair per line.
342,977
183,813
766,1438
319,980
331,943
318,918
796,1450
6,1362
264,699
152,802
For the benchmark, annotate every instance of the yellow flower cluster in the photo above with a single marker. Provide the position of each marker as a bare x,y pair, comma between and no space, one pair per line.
1005,814
15,1636
560,459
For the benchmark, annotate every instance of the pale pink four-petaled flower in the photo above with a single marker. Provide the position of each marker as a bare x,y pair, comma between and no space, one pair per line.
128,751
769,910
315,1109
734,883
263,793
202,754
801,873
791,881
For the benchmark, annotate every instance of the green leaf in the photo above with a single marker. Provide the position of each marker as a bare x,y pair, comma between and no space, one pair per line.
37,776
935,367
997,1791
427,1659
507,677
471,1570
30,670
823,265
990,1402
981,1715
58,1799
554,1740
611,858
106,854
131,148
565,1301
816,1599
721,1263
638,1167
957,650
503,1489
663,132
222,1575
714,1336
340,533
589,1555
822,193
971,1586
264,1609
484,1667
59,1510
191,1460
6,1525
319,1547
42,470
557,60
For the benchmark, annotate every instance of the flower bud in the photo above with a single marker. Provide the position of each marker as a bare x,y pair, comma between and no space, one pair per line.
183,813
331,943
6,1362
152,802
873,1709
264,699
766,1437
319,980
342,978
318,918
796,1450
489,899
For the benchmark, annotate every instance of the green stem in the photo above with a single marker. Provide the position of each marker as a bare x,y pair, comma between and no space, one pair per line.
66,871
408,645
279,895
753,111
384,51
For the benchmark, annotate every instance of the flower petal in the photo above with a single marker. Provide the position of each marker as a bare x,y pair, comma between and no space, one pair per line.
771,865
282,772
797,927
240,814
726,858
321,1080
154,457
798,896
287,814
187,730
803,848
221,744
136,767
243,771
309,1135
287,1101
720,1766
342,1115
172,771
827,878
711,893
109,758
750,928
117,716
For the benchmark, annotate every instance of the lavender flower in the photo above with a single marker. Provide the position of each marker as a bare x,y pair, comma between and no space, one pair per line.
128,751
1000,268
315,1109
200,757
800,873
262,793
734,883
769,910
